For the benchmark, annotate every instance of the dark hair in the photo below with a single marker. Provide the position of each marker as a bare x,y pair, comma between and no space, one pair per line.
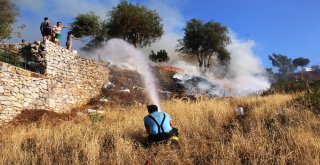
45,18
70,32
58,23
152,108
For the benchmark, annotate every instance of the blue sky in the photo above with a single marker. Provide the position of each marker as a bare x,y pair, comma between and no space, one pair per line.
289,27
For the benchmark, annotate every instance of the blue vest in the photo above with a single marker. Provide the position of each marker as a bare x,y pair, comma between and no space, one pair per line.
158,121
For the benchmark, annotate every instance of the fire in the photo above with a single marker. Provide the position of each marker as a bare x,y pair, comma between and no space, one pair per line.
172,68
226,84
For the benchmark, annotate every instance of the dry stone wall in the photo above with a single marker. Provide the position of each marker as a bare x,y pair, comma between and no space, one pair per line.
21,89
69,81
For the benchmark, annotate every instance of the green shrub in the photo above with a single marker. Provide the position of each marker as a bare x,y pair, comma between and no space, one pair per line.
310,100
10,59
96,117
288,86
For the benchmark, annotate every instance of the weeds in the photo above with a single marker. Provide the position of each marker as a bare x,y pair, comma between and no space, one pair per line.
273,131
96,117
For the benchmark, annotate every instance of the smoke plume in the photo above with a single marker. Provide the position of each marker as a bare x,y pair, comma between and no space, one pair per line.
126,56
244,76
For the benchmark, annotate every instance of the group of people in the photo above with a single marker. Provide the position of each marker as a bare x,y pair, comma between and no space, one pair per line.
53,33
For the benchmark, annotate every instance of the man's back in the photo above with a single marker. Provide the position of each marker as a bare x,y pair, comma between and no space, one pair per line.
159,117
45,25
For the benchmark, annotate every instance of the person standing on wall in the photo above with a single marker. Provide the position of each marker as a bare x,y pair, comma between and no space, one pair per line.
57,32
70,37
46,29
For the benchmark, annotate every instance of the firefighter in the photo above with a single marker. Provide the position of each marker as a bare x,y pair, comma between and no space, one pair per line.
159,126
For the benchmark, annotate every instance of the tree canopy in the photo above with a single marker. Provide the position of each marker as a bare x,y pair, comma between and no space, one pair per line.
161,56
8,13
134,23
283,63
300,61
204,40
90,25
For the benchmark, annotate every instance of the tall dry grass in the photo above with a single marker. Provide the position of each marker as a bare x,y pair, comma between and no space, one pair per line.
274,131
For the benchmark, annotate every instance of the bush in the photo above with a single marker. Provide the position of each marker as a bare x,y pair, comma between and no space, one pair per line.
292,86
96,117
288,86
310,100
10,59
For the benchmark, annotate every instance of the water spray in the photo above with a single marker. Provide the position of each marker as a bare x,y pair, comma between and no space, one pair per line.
127,56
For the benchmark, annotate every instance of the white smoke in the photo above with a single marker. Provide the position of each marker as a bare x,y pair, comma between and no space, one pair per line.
124,55
245,75
248,74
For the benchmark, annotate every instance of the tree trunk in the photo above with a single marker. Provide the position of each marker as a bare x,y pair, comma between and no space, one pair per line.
208,61
200,59
135,44
136,40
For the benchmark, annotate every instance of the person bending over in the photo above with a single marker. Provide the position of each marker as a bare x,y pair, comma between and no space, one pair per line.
70,38
159,126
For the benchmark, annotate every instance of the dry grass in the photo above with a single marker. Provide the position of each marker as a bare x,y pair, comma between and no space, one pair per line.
273,132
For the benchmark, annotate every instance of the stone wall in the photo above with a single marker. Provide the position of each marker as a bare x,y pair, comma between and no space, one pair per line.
69,81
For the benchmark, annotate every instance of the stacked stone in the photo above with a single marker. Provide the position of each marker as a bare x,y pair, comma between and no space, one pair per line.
69,81
20,89
76,79
36,53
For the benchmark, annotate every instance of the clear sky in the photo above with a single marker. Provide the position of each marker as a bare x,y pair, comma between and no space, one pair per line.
289,27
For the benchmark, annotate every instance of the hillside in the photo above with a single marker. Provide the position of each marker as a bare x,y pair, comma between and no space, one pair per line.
128,89
275,130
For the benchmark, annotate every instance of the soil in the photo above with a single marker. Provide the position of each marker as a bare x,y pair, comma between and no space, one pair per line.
36,116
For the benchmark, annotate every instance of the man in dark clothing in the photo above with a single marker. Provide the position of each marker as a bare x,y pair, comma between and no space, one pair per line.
159,125
46,29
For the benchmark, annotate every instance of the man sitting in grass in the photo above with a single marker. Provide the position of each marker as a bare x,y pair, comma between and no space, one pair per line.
158,125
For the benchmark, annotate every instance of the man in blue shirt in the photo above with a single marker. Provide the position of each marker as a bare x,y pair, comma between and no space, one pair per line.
158,125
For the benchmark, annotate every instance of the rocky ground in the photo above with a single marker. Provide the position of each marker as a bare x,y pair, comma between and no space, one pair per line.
124,88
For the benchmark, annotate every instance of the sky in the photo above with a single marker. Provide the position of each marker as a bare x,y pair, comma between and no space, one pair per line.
288,27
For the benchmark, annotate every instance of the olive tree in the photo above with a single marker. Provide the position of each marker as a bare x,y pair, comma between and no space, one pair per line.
205,40
134,23
161,56
8,13
89,25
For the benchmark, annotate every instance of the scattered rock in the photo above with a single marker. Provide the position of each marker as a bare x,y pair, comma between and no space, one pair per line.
109,85
91,110
125,90
240,111
103,100
166,94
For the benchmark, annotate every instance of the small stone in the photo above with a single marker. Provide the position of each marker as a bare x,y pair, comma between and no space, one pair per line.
25,104
11,69
16,104
3,117
6,103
